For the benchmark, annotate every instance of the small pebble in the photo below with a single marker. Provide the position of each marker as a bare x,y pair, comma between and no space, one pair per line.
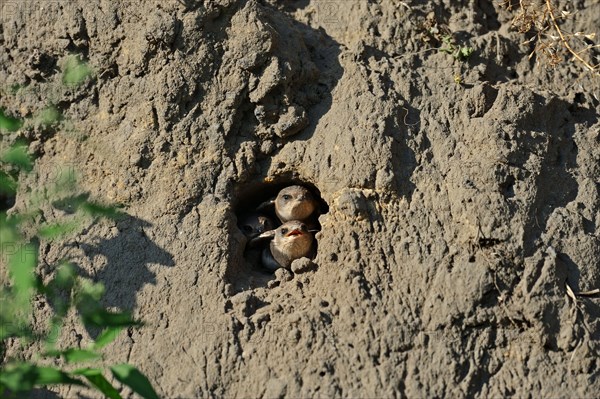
303,265
273,284
283,275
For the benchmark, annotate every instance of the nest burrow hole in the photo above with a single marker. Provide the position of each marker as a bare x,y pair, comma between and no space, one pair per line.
257,215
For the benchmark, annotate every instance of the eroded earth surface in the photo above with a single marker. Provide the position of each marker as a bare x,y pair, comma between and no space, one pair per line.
462,196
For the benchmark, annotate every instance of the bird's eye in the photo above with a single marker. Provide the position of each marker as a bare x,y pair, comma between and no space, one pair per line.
284,231
287,197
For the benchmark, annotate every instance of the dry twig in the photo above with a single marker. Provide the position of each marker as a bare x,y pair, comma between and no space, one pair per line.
565,41
550,39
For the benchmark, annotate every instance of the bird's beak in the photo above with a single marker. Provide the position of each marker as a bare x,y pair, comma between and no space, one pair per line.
295,232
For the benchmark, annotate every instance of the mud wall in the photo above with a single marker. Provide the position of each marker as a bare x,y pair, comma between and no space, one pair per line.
462,196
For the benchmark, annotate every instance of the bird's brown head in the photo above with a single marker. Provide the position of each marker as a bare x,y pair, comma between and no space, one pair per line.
293,238
295,203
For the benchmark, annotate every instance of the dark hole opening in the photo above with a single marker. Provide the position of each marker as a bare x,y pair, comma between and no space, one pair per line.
6,202
256,215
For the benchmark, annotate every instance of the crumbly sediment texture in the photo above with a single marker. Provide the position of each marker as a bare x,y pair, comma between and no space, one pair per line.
462,196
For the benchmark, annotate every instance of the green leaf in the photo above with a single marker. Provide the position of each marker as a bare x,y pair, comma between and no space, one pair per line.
12,324
21,266
92,312
50,375
90,292
48,116
95,377
70,204
73,355
107,336
79,355
56,230
18,156
7,330
75,71
14,89
81,203
135,380
465,52
8,123
58,291
9,236
104,318
65,277
54,332
97,210
8,186
24,377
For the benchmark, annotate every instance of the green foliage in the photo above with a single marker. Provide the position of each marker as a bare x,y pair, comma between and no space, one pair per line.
132,377
48,116
17,156
95,377
460,53
21,265
8,185
8,123
56,230
20,377
106,337
72,355
14,89
75,71
64,290
82,203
